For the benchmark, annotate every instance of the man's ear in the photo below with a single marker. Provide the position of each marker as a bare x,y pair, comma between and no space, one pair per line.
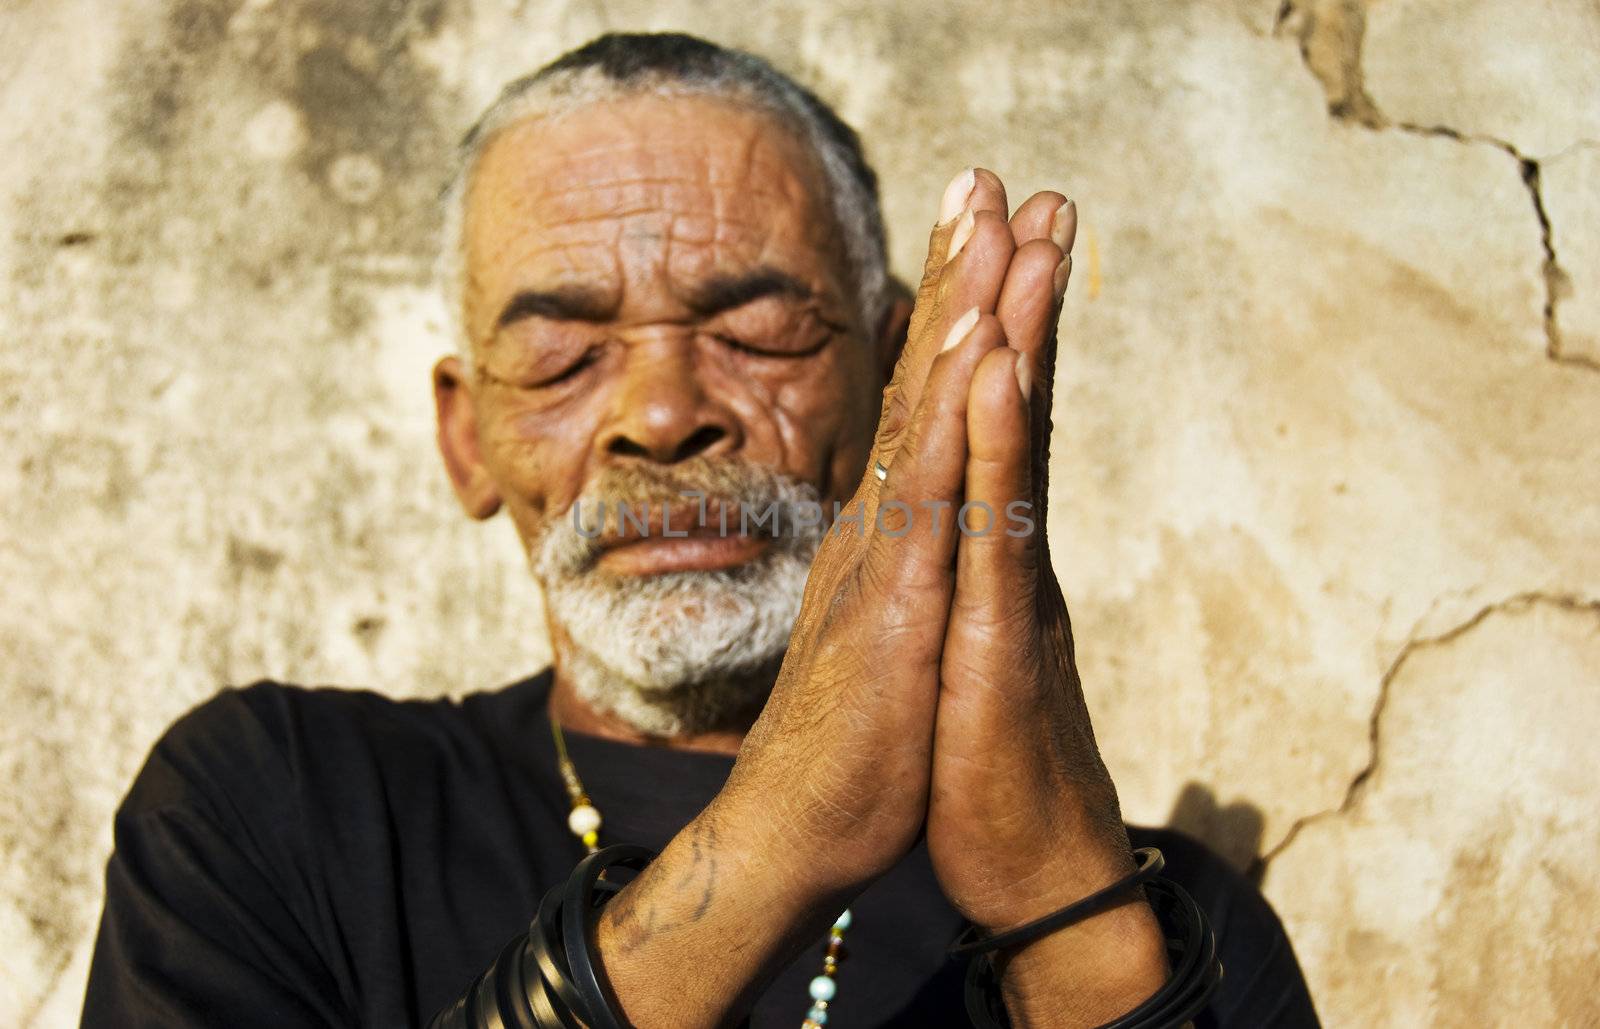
455,406
896,323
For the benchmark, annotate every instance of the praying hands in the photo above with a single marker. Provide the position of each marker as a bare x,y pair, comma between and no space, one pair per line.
929,686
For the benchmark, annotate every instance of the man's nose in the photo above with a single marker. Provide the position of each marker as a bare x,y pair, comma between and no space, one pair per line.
663,411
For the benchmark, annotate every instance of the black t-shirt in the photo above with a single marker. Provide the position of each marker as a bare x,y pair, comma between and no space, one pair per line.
294,857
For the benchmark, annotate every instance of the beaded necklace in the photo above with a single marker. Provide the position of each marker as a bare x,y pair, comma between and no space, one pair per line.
584,822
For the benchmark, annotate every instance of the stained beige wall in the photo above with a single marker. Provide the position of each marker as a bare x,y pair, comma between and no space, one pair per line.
1327,461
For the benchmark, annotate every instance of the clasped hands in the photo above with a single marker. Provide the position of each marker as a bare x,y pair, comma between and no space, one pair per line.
929,686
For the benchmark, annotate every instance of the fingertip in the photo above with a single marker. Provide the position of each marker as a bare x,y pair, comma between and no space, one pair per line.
973,336
958,332
997,367
988,192
1039,257
988,330
956,195
1064,226
999,443
996,408
987,235
1032,219
964,351
991,219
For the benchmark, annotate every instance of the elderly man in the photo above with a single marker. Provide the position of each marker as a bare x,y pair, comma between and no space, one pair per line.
808,643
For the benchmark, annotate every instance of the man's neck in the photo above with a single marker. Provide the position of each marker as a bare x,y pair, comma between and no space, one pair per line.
577,715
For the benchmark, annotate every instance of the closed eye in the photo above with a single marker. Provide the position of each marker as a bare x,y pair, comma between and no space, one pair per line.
589,357
769,350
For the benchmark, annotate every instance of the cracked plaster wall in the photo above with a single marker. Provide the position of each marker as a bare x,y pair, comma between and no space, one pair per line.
1327,485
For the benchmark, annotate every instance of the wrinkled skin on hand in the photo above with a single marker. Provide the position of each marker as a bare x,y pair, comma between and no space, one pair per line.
849,726
940,660
1021,815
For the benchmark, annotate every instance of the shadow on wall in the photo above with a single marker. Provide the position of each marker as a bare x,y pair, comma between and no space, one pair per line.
1232,830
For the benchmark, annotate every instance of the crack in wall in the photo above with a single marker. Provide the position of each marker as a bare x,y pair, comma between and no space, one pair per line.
1357,785
1557,283
1330,35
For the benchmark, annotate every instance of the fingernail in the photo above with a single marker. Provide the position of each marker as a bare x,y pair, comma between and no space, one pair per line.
1025,378
960,329
959,237
1063,273
1064,226
956,195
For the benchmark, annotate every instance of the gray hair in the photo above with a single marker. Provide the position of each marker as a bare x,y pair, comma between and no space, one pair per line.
616,65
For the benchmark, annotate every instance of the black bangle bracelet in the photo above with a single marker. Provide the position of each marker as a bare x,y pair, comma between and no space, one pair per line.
577,929
1196,970
972,942
1191,949
549,966
550,977
511,989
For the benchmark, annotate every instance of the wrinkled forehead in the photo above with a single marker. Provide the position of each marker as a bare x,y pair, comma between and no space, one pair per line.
673,187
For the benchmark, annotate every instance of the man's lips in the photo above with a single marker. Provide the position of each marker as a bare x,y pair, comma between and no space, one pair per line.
627,522
676,537
698,552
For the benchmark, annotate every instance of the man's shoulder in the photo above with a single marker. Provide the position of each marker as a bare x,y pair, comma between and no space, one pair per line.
270,737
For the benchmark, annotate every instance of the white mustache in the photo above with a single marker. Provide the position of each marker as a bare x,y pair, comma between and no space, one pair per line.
563,550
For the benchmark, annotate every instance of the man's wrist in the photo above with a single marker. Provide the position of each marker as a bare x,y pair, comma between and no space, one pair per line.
1086,974
787,876
695,938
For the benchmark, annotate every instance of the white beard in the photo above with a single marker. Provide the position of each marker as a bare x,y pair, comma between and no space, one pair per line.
679,652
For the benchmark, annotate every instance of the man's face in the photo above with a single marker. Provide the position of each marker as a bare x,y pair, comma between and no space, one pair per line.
654,280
